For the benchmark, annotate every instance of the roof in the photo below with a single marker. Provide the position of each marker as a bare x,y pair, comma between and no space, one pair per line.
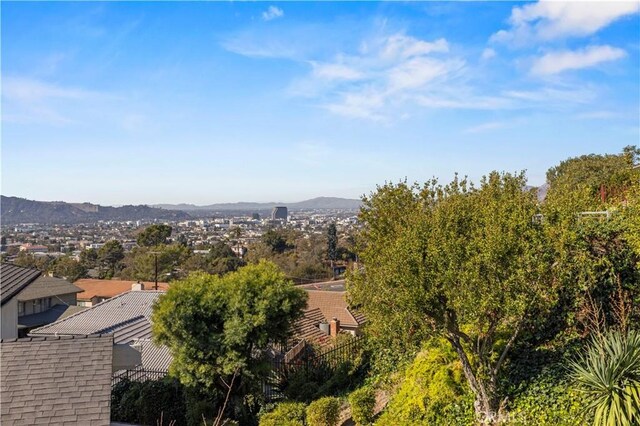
110,288
14,279
154,357
110,316
47,317
46,286
338,285
307,327
56,380
138,328
333,304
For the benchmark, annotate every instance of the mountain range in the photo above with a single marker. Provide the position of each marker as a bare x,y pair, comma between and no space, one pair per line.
320,203
20,210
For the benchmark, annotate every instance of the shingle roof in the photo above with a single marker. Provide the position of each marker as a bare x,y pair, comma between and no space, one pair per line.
307,328
63,381
110,288
46,286
109,316
333,304
13,279
53,314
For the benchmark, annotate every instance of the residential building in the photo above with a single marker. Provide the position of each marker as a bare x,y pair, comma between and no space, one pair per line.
127,317
61,381
33,248
13,279
95,291
330,298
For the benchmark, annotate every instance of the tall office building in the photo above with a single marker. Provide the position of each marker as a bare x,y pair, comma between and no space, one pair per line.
279,213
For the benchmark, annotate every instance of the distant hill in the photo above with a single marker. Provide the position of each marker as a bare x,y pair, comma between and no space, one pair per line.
19,210
320,203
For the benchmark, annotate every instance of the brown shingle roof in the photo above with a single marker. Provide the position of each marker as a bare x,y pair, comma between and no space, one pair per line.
14,279
56,381
110,288
307,328
333,304
46,286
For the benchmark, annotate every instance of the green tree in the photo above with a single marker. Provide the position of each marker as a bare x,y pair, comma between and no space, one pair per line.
219,329
68,268
140,263
459,262
89,258
276,240
154,235
332,243
110,256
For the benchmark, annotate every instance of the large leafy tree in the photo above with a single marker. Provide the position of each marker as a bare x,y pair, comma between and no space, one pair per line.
154,235
110,257
464,263
219,329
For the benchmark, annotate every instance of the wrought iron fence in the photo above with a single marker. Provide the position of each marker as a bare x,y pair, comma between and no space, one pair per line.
137,375
309,361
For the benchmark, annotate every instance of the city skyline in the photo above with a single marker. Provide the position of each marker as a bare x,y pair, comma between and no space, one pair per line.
201,103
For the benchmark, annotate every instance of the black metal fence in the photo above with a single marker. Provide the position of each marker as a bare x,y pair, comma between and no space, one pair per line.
137,375
310,361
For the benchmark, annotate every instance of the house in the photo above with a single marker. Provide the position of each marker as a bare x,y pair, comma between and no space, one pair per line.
95,291
33,248
54,380
44,301
127,317
330,298
13,279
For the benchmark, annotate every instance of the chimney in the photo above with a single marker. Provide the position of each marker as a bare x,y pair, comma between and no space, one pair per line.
137,286
334,325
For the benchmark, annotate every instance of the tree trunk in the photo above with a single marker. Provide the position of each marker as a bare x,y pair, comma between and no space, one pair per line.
486,405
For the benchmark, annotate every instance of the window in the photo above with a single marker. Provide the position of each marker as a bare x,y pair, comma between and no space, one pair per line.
21,306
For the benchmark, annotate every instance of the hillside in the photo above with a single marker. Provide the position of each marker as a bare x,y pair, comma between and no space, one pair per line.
320,203
20,210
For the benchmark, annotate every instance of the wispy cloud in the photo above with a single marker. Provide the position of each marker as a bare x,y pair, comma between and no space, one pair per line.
485,127
557,62
548,20
273,12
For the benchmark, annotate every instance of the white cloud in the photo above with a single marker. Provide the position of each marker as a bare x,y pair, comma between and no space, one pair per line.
485,127
548,20
335,71
557,62
488,53
273,12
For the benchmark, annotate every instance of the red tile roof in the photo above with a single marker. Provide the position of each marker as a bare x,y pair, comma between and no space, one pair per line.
110,288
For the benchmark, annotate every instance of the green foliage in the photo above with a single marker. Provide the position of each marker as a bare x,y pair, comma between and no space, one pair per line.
608,374
332,242
68,268
285,414
219,328
456,261
276,240
324,412
362,402
110,256
433,390
147,402
154,235
140,262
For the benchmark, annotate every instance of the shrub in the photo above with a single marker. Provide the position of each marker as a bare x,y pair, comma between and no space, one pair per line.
285,414
324,412
362,402
433,391
608,374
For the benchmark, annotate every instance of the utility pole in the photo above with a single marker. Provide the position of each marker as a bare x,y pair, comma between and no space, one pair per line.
155,256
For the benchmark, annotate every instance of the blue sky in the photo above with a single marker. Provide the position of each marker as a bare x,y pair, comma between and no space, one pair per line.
144,102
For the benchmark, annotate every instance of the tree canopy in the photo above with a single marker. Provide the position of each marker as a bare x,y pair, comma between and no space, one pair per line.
218,327
461,262
154,235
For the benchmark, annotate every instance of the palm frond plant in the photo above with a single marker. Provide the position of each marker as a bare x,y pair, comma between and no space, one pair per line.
608,373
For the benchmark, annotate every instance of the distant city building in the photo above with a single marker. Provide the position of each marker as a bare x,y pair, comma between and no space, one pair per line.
30,248
279,212
255,216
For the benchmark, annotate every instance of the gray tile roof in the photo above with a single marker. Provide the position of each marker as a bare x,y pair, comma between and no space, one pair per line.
13,279
109,316
62,381
45,286
154,357
138,328
47,317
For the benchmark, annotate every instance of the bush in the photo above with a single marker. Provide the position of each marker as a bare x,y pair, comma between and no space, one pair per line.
285,414
324,412
433,391
608,374
362,402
